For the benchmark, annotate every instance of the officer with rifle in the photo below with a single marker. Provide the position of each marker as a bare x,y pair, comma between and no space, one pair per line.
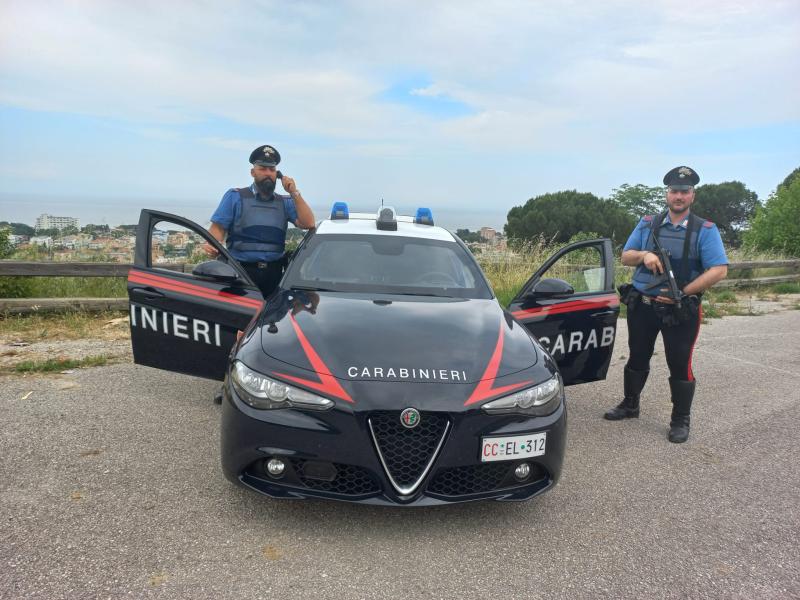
677,256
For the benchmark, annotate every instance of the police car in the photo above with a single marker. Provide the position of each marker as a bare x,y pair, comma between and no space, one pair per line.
383,370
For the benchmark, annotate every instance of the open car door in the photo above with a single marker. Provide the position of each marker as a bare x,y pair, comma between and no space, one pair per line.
570,305
185,322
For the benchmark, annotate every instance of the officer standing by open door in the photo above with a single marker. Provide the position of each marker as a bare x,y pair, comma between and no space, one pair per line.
677,256
252,220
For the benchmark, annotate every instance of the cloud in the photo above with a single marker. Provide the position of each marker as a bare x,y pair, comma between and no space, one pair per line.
324,69
520,83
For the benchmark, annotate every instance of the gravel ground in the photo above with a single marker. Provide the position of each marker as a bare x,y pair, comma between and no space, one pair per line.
111,488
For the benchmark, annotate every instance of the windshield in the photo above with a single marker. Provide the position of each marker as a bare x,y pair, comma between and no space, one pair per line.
386,264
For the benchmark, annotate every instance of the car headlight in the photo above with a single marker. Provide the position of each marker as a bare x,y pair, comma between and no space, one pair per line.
540,399
260,391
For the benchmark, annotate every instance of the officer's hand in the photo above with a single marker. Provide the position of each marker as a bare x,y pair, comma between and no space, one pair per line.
289,185
652,262
210,251
665,300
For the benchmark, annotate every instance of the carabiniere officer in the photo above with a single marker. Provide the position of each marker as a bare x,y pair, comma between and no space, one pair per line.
252,221
699,261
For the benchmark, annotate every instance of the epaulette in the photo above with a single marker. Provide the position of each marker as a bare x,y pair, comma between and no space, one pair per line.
708,224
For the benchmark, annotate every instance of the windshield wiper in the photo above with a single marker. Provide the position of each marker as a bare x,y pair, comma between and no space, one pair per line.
418,294
308,288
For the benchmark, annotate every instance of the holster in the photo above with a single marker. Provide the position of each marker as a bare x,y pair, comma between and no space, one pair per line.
628,295
671,315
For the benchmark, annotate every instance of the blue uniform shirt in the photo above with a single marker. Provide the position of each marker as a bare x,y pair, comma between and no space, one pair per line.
712,252
229,209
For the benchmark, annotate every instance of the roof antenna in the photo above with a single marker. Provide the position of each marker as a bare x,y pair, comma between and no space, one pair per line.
381,202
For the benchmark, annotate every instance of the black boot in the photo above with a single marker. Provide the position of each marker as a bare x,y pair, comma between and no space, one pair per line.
633,383
682,395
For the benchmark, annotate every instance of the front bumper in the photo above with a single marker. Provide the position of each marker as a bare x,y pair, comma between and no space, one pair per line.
333,455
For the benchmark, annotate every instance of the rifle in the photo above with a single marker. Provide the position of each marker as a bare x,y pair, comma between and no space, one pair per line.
674,291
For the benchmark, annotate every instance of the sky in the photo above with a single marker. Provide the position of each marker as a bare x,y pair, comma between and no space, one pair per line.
469,108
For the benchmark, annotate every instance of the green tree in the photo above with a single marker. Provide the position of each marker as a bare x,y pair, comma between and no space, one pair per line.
6,249
639,200
776,225
54,232
95,229
468,236
18,228
561,215
12,287
791,177
730,205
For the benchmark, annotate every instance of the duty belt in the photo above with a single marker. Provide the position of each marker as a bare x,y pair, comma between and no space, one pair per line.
647,299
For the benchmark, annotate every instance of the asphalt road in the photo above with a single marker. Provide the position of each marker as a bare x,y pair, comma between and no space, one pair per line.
110,487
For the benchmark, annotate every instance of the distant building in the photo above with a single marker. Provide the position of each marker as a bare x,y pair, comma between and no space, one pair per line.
41,240
488,233
73,242
45,221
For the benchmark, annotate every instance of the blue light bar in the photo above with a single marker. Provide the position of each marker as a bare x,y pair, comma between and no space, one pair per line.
424,216
340,211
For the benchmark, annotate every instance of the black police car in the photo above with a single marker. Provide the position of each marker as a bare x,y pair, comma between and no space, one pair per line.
383,370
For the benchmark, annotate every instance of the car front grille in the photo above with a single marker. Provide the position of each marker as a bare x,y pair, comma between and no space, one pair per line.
476,479
407,454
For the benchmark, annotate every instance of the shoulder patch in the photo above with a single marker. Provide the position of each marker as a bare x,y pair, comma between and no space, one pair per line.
647,218
708,224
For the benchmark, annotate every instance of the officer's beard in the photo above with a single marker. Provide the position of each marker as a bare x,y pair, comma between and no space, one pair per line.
266,187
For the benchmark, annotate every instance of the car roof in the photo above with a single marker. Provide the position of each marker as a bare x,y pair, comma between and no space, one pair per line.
364,224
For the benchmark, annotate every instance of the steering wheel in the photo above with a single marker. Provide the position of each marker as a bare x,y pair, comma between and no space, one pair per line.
437,277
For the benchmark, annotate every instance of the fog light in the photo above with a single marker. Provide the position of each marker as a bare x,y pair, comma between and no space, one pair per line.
275,467
522,471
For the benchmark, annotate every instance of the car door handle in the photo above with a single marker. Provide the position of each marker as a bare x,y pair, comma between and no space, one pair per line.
147,293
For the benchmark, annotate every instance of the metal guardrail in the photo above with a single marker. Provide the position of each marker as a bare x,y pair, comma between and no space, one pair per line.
28,268
21,306
10,268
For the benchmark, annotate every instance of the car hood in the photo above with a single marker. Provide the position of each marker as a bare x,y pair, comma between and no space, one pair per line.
395,338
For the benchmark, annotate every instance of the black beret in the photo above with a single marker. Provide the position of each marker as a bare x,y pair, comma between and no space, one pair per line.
265,156
681,178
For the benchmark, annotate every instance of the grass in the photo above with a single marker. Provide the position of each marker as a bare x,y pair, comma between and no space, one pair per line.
78,287
71,325
724,297
785,288
59,364
508,271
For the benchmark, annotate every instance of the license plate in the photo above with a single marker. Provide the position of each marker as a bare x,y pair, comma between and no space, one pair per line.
513,447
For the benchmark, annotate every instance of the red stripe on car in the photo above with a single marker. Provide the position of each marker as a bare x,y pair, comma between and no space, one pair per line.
485,388
192,290
608,301
327,383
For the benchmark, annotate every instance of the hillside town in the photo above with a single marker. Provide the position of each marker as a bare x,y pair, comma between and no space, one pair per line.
60,238
63,239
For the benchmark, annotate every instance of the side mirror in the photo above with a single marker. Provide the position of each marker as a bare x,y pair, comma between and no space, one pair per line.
216,271
551,288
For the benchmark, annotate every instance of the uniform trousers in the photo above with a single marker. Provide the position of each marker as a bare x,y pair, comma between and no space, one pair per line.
644,324
266,275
